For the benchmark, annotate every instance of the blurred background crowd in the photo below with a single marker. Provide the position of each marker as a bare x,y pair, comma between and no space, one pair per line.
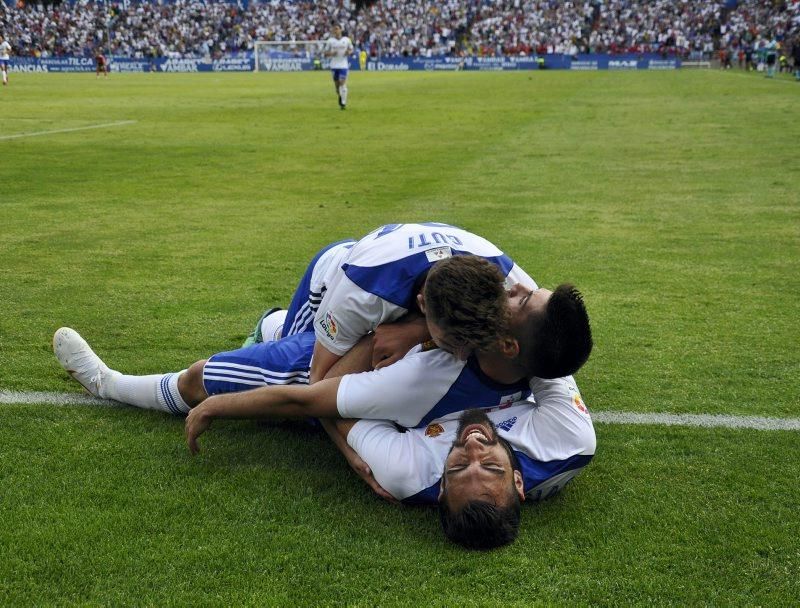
194,28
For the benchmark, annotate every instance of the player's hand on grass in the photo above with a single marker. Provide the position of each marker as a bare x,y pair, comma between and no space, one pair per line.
197,423
364,472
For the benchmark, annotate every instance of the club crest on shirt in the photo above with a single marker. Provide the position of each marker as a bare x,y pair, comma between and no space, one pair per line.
434,430
438,253
329,325
578,403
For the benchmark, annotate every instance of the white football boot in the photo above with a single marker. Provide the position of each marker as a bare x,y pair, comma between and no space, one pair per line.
80,361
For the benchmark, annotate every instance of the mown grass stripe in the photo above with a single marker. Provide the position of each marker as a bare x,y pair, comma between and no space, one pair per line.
759,423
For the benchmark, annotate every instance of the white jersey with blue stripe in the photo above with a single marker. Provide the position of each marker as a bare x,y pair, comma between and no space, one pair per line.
551,434
341,48
383,272
424,386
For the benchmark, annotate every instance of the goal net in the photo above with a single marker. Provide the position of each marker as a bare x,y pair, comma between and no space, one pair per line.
290,56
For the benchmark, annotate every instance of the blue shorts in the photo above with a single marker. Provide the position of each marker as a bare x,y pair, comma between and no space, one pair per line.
304,304
4,63
339,74
286,361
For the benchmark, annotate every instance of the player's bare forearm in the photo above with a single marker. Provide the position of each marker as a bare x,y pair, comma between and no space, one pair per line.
293,401
357,359
297,401
321,363
337,433
337,430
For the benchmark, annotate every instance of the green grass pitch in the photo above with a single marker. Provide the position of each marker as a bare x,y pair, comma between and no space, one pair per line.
671,199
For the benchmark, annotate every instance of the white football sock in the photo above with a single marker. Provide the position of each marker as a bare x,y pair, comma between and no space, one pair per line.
272,326
5,77
156,392
343,94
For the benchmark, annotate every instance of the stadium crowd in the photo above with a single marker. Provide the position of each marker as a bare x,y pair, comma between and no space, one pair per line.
195,28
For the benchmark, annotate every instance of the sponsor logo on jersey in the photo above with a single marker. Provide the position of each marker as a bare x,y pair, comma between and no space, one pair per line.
507,424
329,325
578,403
434,430
438,253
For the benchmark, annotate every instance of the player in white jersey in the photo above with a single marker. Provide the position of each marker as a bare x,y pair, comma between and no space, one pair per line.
428,384
515,335
452,384
553,426
352,288
484,464
5,56
338,48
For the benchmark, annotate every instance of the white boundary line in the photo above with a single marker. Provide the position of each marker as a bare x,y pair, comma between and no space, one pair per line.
699,420
42,398
704,420
101,126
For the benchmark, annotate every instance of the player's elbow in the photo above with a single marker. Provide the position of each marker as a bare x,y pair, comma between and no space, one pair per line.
587,439
318,400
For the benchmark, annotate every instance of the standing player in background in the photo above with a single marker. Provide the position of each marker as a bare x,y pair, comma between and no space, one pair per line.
339,48
5,54
771,56
796,57
102,64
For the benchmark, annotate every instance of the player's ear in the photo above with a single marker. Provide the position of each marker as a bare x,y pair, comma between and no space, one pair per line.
509,347
441,489
519,486
421,302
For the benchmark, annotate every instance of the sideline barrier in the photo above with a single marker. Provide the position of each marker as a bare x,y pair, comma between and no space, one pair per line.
244,62
650,61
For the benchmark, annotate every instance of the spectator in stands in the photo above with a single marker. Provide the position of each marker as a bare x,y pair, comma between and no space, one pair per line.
196,28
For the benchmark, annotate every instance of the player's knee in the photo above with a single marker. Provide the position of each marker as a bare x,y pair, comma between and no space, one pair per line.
190,384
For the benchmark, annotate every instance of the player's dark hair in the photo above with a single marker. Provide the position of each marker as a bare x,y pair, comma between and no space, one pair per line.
558,342
480,524
466,297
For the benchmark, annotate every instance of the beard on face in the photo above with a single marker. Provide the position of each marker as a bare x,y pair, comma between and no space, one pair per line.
478,416
475,416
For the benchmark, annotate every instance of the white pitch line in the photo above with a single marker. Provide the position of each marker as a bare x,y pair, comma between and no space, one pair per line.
705,420
102,126
699,420
42,398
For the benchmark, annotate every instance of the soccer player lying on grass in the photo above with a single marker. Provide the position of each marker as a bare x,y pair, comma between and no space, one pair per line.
433,384
479,467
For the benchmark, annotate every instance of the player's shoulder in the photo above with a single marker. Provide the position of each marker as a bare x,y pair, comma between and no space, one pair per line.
433,363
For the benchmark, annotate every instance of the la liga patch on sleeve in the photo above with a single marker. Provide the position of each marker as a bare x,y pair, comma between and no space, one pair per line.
329,325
